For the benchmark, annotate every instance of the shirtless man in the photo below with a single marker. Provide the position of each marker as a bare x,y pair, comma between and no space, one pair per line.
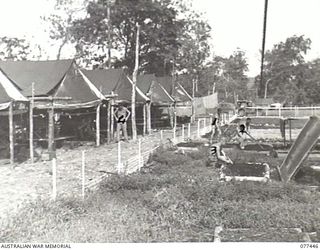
121,115
215,130
243,136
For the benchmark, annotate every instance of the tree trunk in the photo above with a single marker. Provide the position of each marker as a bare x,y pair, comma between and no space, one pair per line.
133,95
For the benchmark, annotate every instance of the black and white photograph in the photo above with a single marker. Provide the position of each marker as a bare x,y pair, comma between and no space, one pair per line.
159,121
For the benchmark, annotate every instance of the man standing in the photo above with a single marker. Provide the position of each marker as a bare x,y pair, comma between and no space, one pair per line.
121,115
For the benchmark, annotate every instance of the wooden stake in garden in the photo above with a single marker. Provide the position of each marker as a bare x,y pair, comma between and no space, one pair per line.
83,173
54,179
11,133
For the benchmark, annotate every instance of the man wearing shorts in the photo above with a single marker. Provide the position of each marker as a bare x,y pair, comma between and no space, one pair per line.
121,115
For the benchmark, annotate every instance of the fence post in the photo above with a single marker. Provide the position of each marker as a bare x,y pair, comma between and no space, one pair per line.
174,133
119,158
161,136
139,154
189,130
198,129
279,111
83,171
54,178
312,109
182,132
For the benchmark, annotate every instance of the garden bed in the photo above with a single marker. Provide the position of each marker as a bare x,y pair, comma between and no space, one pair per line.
174,198
245,172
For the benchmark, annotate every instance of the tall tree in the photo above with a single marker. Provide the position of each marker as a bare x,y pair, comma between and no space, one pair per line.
312,82
60,22
229,75
285,70
163,35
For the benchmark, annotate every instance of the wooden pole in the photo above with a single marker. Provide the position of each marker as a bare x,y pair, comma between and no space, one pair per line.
161,136
290,131
144,119
198,129
119,158
175,118
134,84
83,172
31,124
11,133
149,118
139,154
189,130
174,133
263,42
312,109
109,36
183,132
279,112
54,179
98,125
108,121
51,132
112,118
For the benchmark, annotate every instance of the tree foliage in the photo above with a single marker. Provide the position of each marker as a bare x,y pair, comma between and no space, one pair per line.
286,70
166,39
12,48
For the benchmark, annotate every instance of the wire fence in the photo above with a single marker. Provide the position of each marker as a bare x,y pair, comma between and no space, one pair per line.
86,177
285,112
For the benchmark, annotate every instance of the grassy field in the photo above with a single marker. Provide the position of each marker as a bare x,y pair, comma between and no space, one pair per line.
177,198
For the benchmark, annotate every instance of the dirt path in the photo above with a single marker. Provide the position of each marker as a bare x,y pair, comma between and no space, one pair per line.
26,182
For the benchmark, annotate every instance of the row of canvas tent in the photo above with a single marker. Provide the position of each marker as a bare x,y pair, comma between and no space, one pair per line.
63,100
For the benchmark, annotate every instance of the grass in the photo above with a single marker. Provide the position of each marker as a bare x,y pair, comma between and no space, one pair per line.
176,199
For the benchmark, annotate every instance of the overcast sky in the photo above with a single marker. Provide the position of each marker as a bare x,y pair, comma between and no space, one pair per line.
235,24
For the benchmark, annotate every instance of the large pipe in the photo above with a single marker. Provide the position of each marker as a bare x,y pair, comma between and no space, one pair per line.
307,138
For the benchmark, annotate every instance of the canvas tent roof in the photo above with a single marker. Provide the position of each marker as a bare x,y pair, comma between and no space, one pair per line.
174,89
151,88
8,92
52,78
108,80
45,74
